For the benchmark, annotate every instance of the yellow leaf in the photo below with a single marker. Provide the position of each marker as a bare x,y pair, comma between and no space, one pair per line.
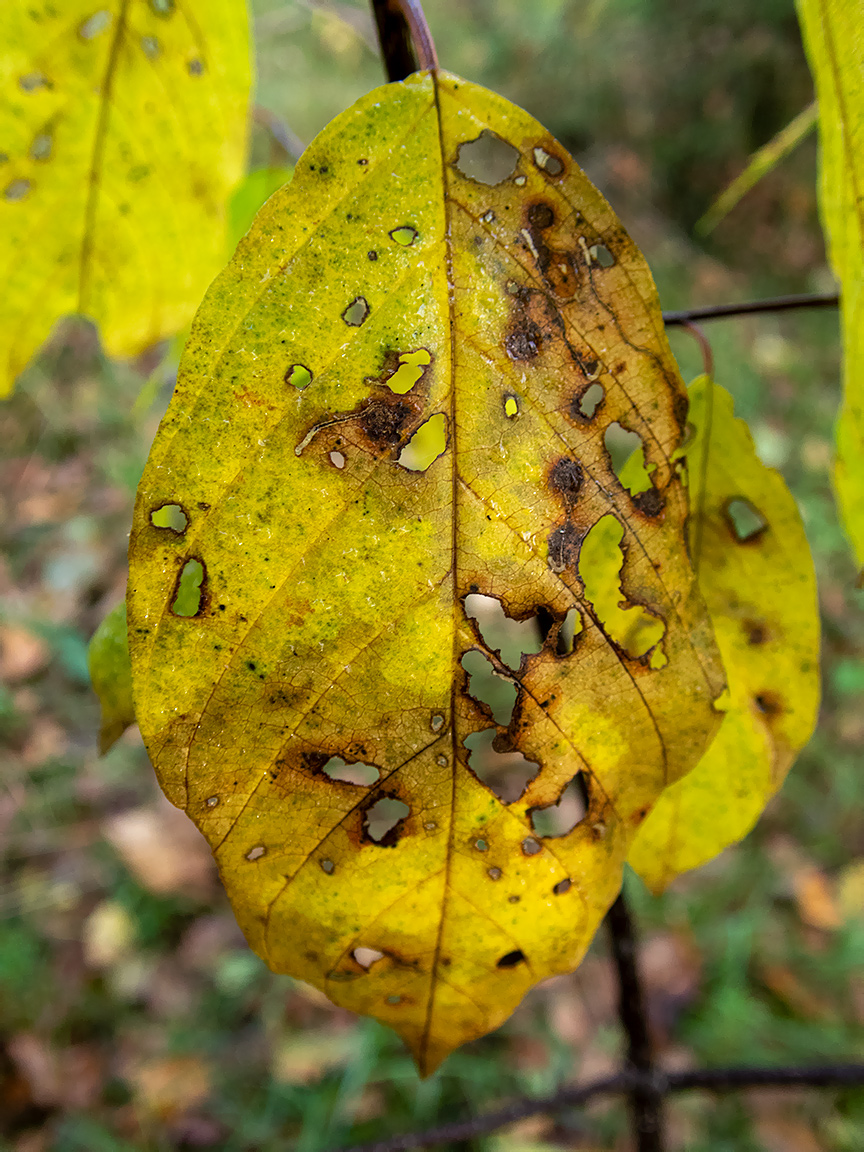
757,577
833,32
391,433
124,126
111,676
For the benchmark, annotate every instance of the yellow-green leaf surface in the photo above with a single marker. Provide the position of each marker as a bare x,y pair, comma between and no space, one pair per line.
111,676
397,397
833,33
123,127
756,574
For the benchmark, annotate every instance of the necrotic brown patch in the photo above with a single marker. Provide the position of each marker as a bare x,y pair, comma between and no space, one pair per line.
566,477
541,216
522,342
564,543
650,503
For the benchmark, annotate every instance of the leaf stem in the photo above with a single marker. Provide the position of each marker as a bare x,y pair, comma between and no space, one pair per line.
645,1096
749,307
404,36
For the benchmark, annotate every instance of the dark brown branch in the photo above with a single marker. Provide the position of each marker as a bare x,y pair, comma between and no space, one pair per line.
404,36
709,1079
750,307
646,1103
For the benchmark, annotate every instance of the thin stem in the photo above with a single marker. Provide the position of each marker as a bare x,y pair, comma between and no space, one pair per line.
749,307
704,346
404,36
290,143
646,1104
709,1080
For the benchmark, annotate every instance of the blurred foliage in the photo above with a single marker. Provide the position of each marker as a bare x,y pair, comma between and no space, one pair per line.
133,1018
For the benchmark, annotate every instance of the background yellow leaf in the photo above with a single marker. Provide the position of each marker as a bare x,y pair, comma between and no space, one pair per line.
401,413
124,127
111,676
833,33
756,574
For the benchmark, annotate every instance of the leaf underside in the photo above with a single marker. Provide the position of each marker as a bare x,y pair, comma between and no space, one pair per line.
833,33
124,127
756,575
395,398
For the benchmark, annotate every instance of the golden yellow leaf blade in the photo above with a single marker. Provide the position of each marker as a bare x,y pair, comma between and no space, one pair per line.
124,126
833,32
332,635
761,593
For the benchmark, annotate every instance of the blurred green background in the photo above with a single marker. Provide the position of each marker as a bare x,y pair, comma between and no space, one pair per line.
132,1016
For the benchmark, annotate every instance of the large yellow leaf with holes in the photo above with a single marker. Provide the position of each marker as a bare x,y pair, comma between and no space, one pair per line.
754,568
833,32
404,647
123,127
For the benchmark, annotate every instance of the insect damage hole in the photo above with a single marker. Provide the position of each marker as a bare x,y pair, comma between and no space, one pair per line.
42,146
601,255
501,633
561,818
366,957
632,628
256,853
410,370
511,959
363,775
170,516
567,633
507,774
626,451
404,235
298,375
587,404
546,162
94,24
189,593
511,407
426,445
337,459
383,820
489,687
487,160
356,312
17,190
745,521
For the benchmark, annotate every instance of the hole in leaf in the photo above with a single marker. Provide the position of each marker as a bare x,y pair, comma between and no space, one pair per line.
511,407
481,845
488,159
601,255
256,853
162,7
745,521
441,761
17,190
150,47
361,774
394,999
41,147
34,80
404,235
356,312
546,162
562,817
627,455
383,818
634,628
170,516
94,24
212,801
437,722
195,67
511,959
488,687
568,632
507,774
494,873
530,846
298,375
366,957
562,886
337,459
426,445
187,599
328,866
411,365
520,180
590,401
501,633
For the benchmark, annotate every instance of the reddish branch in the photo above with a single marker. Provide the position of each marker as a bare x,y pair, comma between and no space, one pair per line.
404,36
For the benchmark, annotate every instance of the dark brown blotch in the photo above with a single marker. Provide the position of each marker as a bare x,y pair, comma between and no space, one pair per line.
541,215
564,544
386,424
757,633
566,477
650,503
769,703
522,342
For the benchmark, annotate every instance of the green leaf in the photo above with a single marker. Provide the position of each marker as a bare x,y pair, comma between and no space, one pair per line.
111,676
253,191
833,32
756,574
123,129
385,453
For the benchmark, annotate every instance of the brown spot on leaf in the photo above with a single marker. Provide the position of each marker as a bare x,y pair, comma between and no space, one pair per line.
650,503
541,215
757,633
566,476
522,342
385,424
564,543
769,703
